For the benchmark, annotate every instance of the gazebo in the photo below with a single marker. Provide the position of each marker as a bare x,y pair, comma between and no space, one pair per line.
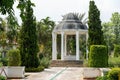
70,25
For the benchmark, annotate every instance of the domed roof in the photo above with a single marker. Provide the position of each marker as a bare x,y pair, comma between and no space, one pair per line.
70,21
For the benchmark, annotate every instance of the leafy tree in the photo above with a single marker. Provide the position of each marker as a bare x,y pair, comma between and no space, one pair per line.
108,32
3,33
28,38
95,29
115,20
6,6
111,31
44,29
12,29
81,17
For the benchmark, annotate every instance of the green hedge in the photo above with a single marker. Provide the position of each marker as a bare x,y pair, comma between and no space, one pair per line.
116,50
98,56
113,74
14,58
39,69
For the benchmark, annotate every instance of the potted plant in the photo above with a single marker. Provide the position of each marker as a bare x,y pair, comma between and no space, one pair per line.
14,61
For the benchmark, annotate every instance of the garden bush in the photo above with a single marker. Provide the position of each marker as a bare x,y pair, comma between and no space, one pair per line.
103,78
4,61
2,77
116,50
39,69
98,56
113,74
45,61
14,58
114,61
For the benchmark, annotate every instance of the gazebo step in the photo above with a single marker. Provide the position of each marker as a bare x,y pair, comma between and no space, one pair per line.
66,63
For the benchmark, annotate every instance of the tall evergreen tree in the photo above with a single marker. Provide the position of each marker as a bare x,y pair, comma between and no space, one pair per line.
95,29
28,38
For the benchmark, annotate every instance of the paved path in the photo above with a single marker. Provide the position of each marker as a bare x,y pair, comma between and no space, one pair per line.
56,73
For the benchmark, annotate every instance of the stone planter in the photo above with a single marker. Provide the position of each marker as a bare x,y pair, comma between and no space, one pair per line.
3,71
15,72
91,73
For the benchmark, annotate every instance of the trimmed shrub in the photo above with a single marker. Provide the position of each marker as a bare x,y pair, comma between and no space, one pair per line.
39,69
98,56
45,62
113,74
2,77
14,58
116,50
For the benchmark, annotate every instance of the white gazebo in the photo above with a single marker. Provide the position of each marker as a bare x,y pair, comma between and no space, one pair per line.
70,25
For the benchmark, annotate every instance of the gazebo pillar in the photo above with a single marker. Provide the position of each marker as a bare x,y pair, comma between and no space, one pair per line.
65,45
77,46
54,46
86,46
62,45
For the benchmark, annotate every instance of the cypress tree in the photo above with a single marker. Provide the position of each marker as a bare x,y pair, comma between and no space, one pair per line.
28,38
95,29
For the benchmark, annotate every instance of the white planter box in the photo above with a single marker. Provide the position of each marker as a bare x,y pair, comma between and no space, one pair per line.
15,72
91,72
3,71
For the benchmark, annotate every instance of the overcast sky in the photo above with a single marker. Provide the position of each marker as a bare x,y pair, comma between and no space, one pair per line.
56,8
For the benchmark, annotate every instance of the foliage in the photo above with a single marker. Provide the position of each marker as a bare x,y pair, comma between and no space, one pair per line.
116,50
111,31
113,74
45,62
98,56
71,45
95,29
12,28
2,77
14,58
80,17
44,32
114,61
39,69
103,78
4,61
115,20
28,38
85,63
6,6
108,32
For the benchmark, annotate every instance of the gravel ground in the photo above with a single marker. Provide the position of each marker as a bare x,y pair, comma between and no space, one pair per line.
56,73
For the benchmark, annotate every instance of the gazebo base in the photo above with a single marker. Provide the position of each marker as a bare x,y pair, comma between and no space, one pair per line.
66,63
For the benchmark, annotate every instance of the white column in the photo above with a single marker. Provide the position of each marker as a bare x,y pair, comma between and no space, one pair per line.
54,46
86,46
65,45
77,46
62,45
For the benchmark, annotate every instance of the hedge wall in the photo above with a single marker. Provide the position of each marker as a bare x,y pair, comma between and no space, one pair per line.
116,50
98,56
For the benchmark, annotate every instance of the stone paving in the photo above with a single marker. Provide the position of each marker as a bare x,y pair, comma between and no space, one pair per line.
56,73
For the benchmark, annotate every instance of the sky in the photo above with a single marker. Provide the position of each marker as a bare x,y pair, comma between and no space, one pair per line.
56,8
